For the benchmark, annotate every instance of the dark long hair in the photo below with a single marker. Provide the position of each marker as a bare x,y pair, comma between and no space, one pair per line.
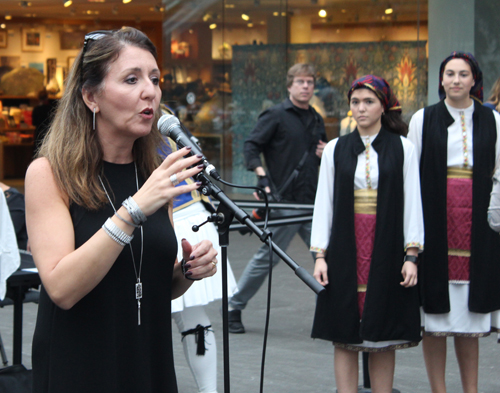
391,119
393,122
71,145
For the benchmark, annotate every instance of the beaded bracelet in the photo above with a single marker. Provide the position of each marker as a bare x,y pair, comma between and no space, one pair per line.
135,211
115,233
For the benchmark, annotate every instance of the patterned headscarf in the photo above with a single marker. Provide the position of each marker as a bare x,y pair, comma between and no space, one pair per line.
380,87
477,90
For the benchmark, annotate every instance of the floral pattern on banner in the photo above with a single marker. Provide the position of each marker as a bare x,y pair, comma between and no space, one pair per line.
259,80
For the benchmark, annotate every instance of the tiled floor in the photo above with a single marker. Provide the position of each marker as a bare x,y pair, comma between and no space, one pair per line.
295,362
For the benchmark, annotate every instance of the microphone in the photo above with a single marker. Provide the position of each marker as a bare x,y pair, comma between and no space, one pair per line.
170,126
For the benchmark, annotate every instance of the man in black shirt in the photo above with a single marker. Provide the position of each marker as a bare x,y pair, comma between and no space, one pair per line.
291,136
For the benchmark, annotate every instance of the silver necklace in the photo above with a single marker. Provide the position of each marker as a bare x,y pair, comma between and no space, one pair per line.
138,285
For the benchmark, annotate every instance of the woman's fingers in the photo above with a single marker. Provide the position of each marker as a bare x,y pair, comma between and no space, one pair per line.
321,272
202,260
409,273
160,188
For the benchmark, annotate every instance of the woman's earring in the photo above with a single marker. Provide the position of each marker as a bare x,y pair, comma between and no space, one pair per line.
93,119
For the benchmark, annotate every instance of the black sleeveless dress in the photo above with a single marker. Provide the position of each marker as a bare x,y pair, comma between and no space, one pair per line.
97,345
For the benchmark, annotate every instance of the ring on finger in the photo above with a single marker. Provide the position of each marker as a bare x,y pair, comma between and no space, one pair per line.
214,262
174,180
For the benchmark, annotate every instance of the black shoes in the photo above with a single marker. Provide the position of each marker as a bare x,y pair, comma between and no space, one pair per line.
234,322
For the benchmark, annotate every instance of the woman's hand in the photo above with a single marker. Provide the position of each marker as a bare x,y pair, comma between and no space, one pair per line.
409,273
201,261
320,271
158,189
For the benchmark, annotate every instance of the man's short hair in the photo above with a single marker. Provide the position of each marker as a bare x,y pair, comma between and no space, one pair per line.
302,69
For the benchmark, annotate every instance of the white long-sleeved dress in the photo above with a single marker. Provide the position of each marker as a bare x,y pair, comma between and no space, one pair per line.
323,206
459,321
367,176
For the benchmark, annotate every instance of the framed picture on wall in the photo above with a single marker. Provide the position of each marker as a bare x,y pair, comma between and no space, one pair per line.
33,39
3,39
51,69
71,39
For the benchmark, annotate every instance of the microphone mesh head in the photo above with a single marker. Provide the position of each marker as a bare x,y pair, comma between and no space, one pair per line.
167,123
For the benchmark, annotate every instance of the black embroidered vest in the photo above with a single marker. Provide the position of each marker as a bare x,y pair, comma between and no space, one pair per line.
391,311
484,290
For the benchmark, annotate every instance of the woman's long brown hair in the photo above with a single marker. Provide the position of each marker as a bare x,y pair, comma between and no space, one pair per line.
71,145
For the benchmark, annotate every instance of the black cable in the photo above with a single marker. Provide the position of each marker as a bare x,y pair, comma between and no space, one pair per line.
259,190
268,313
270,279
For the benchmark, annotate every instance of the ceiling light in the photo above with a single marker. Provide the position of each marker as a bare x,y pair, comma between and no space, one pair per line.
389,10
245,17
250,24
3,26
229,5
126,1
276,13
206,17
322,13
213,26
67,3
8,17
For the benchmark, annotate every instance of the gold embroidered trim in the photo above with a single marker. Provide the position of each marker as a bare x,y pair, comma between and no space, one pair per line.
360,348
456,334
459,173
365,201
362,287
458,253
415,244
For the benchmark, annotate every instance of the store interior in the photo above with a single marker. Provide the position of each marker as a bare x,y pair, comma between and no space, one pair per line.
222,62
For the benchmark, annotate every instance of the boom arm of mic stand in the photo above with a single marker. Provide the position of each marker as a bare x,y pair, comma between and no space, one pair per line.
209,188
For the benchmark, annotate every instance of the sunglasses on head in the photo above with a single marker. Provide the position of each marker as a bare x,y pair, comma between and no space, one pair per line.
89,37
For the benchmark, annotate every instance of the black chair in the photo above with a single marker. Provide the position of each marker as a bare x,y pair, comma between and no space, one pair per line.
32,296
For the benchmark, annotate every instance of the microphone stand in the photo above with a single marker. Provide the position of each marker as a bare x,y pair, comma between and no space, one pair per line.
226,211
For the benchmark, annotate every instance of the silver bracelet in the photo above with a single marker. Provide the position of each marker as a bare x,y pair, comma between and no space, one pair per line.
135,211
115,233
127,221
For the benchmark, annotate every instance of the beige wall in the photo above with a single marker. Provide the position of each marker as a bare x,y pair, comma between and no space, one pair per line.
235,36
246,36
51,50
373,34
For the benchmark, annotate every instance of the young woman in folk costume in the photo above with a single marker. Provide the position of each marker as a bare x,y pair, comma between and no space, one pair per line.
368,230
458,146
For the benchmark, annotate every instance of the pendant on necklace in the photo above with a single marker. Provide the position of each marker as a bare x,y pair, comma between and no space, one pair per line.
138,296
